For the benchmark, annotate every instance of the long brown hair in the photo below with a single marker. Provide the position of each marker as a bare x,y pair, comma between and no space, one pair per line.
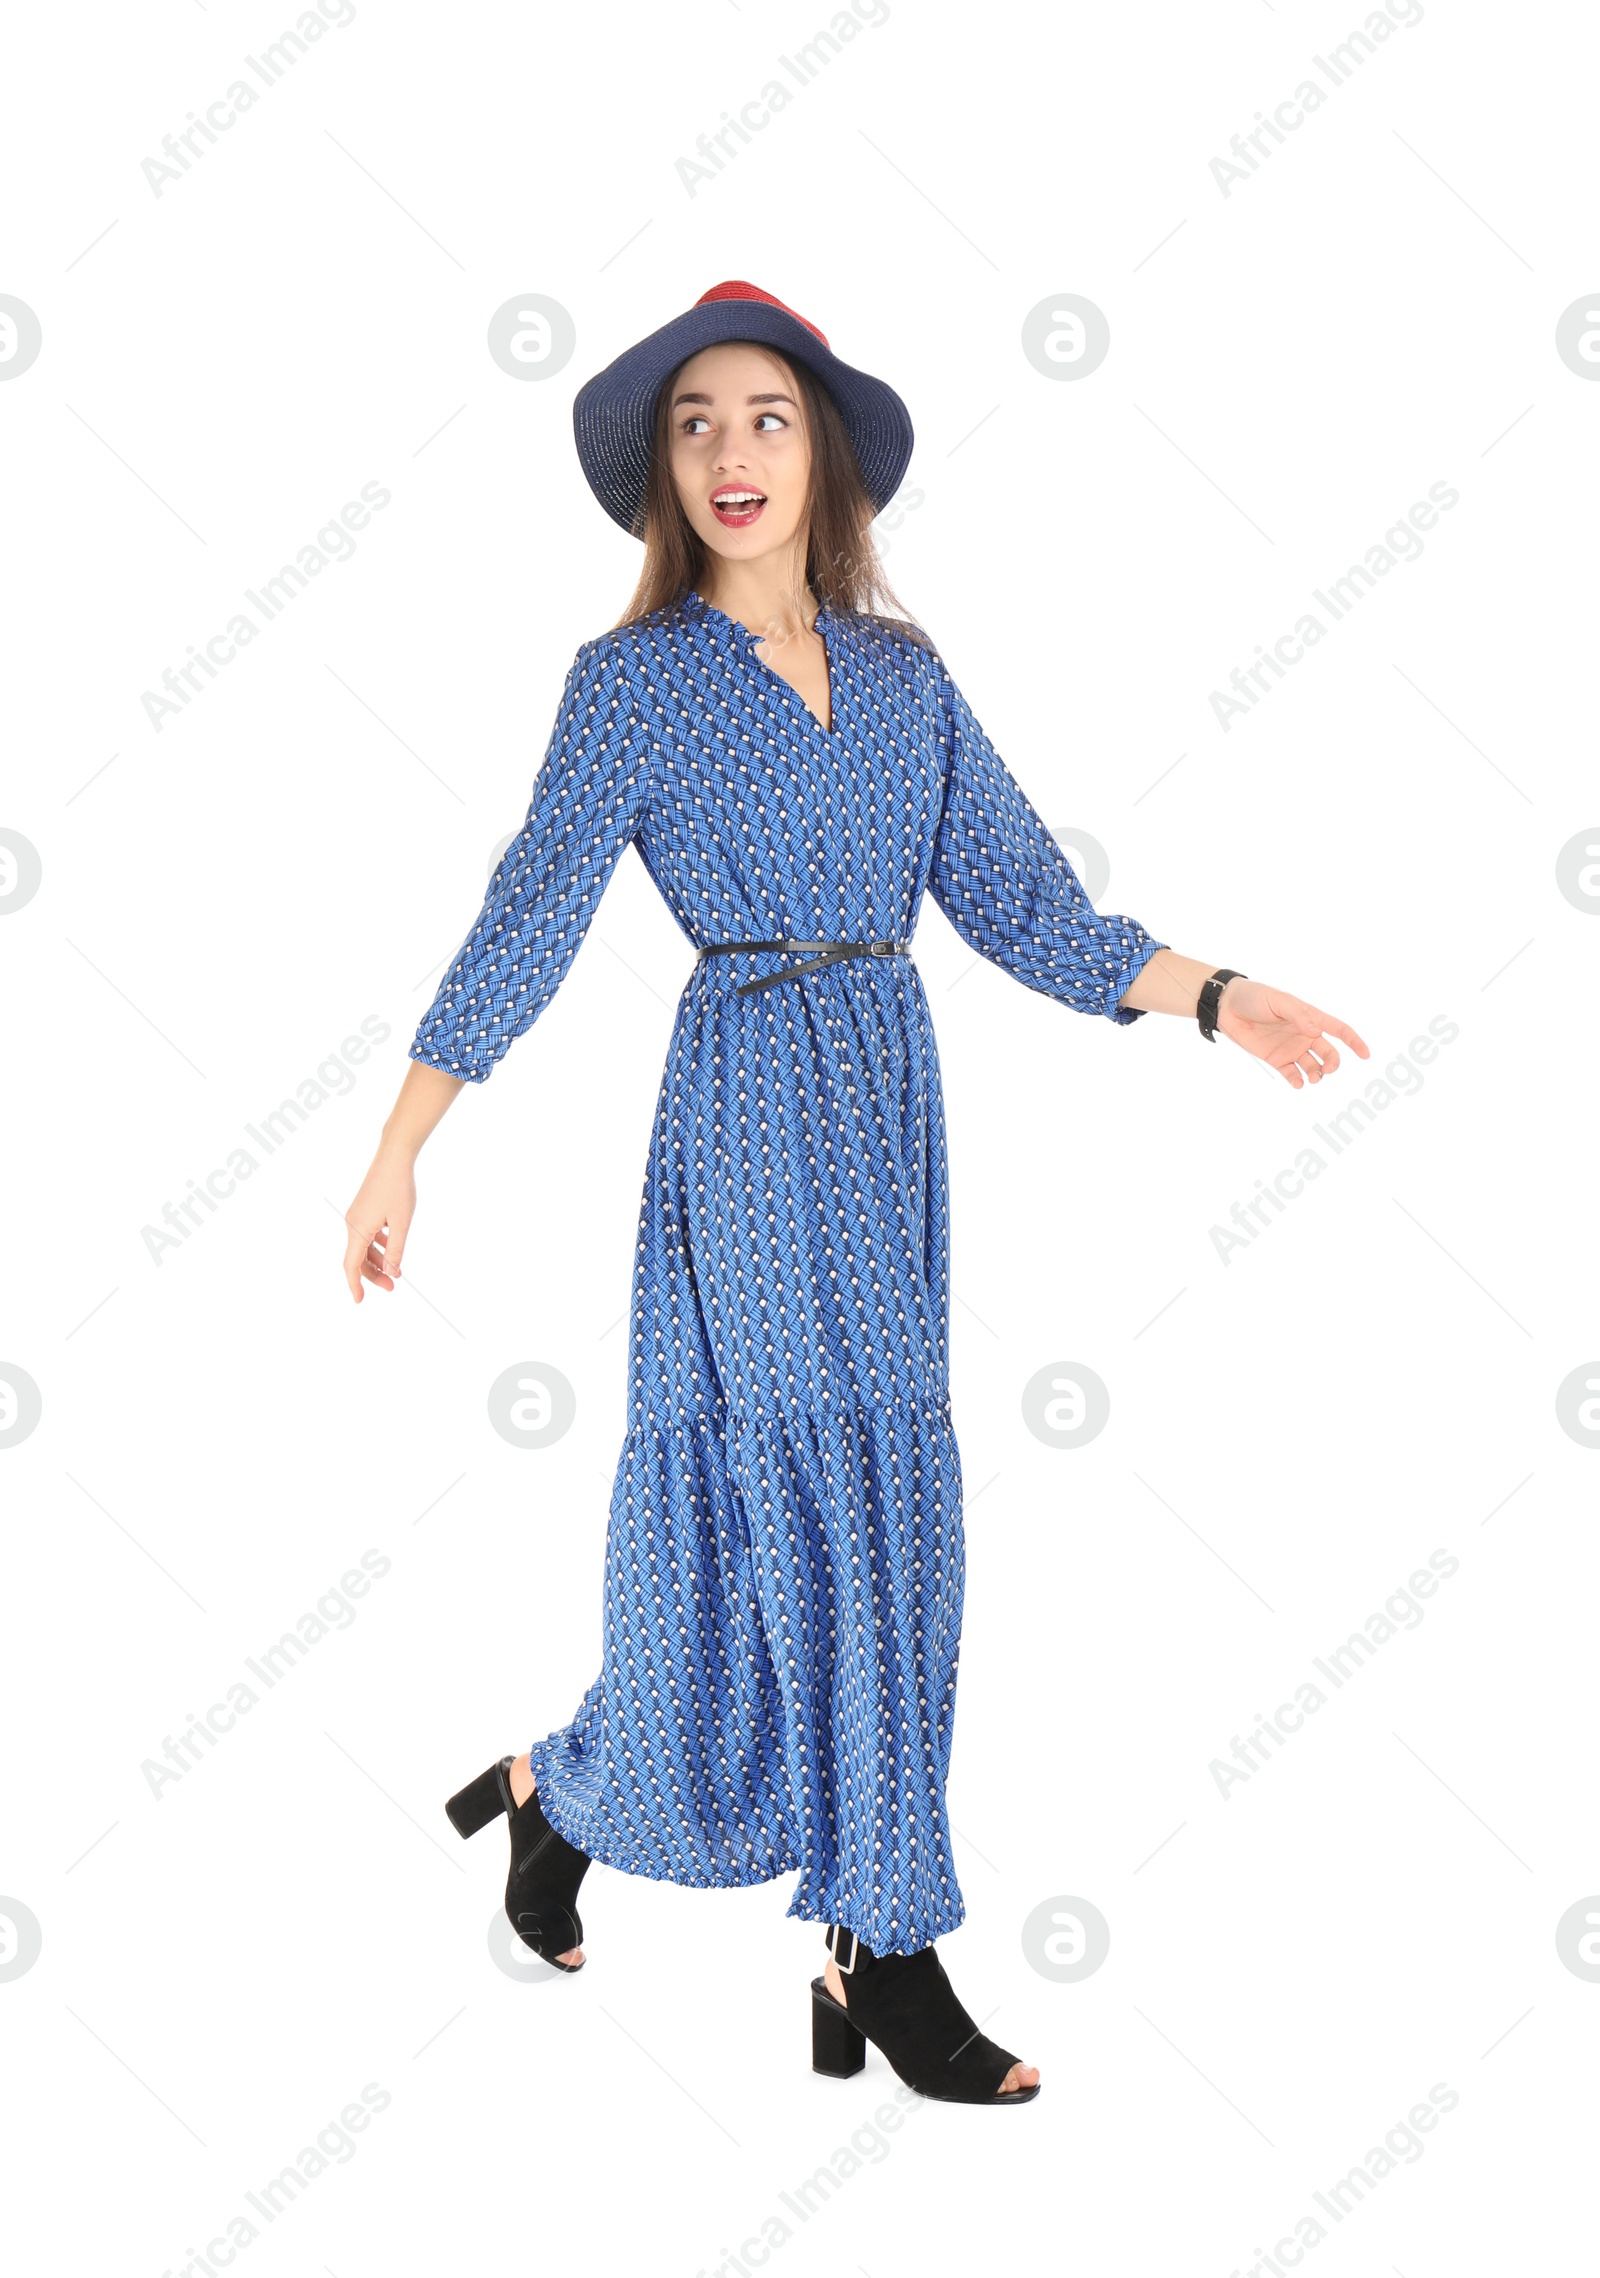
843,567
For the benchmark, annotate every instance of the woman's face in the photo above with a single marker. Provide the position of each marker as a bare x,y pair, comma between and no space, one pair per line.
737,427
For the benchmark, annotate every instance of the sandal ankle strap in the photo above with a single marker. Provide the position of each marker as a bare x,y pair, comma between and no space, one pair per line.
860,1952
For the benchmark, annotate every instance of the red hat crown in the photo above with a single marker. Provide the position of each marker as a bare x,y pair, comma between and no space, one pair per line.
735,289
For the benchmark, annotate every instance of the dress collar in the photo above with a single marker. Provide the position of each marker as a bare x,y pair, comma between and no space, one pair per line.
707,612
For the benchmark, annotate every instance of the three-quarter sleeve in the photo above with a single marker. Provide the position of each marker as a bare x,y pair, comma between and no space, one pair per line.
1002,879
591,795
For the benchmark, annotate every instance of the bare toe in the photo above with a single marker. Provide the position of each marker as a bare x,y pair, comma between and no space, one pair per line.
1020,2076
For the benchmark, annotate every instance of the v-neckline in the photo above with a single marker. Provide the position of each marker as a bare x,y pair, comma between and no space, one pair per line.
819,625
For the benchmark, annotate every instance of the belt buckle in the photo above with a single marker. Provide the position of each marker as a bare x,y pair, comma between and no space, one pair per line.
833,1947
881,949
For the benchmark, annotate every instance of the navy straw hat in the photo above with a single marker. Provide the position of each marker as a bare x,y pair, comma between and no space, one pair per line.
613,415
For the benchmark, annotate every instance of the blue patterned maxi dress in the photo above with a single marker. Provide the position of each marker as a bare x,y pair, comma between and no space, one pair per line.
784,1568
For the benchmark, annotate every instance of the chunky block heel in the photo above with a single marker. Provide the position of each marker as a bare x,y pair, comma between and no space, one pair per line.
836,2047
906,2006
546,1870
476,1804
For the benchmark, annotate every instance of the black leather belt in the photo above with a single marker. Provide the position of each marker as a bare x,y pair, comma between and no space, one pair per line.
832,952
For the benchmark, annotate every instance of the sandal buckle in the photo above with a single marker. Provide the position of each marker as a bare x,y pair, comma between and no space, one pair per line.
844,1969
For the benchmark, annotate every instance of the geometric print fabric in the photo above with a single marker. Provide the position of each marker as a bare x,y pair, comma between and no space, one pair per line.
784,1568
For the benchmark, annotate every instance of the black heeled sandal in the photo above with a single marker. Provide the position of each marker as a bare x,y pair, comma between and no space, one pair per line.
906,2006
546,1870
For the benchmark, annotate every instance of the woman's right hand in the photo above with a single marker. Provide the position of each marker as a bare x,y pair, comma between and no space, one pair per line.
388,1198
379,1219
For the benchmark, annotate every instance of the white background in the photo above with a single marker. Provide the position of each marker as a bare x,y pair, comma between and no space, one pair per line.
1292,1432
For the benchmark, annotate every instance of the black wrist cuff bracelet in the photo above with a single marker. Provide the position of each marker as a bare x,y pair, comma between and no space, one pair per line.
1211,999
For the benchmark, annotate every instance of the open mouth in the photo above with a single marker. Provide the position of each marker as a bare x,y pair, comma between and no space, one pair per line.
737,509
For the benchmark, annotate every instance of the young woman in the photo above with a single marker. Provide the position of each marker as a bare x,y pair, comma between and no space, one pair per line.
784,1569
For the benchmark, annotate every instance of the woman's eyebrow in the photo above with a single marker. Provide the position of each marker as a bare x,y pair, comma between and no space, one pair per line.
695,396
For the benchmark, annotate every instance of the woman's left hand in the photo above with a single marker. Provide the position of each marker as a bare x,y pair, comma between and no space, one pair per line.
1289,1034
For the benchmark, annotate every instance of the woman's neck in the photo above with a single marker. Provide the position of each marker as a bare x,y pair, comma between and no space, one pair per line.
757,599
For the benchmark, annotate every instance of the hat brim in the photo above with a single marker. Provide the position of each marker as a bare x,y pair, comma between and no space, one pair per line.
613,414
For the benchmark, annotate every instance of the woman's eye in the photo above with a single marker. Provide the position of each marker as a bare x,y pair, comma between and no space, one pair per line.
698,418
